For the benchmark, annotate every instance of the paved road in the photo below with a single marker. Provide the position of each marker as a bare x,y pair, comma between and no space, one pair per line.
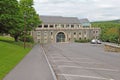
33,67
74,61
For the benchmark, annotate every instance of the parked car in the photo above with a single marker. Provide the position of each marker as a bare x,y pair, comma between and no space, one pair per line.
99,42
95,41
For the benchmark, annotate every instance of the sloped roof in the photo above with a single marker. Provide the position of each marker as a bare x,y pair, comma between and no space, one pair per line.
59,20
85,20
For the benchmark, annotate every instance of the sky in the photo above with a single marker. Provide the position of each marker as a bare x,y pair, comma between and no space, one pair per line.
94,10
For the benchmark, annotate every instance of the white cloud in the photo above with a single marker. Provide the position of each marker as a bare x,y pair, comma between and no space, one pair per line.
91,9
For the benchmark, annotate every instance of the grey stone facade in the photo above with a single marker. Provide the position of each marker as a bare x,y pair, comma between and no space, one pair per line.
64,29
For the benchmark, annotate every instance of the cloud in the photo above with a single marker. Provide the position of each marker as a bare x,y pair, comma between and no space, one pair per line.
91,9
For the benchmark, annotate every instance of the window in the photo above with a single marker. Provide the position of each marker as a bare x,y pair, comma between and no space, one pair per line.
56,25
62,26
80,38
51,26
45,26
80,33
51,33
45,33
74,33
72,26
38,33
40,26
67,25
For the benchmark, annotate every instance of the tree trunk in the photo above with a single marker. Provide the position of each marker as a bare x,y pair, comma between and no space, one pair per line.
16,38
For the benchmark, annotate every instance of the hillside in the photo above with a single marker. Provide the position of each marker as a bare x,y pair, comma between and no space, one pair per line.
109,30
111,21
11,53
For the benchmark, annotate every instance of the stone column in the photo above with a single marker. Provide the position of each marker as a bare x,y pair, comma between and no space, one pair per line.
42,25
69,26
54,26
48,26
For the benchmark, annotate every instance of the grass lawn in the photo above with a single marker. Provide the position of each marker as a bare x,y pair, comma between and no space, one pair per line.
11,53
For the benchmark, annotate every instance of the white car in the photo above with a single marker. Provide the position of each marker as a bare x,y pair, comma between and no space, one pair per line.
98,42
95,41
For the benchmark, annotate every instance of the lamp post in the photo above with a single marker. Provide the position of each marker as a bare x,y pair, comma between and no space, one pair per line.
24,31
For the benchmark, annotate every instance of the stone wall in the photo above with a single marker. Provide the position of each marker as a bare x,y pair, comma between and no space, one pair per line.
111,48
49,35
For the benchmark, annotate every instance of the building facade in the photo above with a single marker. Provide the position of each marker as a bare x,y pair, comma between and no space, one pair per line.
64,29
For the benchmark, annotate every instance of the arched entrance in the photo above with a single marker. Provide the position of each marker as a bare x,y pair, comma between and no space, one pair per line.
60,37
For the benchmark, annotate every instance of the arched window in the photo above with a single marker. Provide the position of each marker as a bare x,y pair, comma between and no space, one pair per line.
60,37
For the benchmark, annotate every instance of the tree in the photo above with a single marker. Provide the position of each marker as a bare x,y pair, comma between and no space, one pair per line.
15,16
10,18
17,31
109,30
27,19
8,15
30,17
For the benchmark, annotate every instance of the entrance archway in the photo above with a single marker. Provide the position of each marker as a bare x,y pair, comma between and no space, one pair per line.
60,37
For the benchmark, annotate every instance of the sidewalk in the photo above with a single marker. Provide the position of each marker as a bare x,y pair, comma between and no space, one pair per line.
33,67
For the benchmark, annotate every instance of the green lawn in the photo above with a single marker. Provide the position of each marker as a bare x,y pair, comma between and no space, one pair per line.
11,53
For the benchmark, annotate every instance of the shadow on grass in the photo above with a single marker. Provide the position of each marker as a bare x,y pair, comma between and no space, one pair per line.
8,41
19,43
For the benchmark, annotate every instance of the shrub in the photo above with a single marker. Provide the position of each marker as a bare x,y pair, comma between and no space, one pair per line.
82,41
28,38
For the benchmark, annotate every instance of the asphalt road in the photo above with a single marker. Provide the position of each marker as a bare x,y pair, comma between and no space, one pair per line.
76,61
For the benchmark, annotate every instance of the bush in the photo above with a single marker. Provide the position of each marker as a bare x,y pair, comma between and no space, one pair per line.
82,41
28,38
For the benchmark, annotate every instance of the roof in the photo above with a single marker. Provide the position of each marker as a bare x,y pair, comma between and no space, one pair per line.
59,20
85,20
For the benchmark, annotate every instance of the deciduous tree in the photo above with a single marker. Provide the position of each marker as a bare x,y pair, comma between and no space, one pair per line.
8,15
31,18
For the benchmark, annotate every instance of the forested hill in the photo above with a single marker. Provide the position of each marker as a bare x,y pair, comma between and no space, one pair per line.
109,30
111,21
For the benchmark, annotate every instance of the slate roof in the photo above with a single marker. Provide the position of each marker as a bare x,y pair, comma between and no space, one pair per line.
59,20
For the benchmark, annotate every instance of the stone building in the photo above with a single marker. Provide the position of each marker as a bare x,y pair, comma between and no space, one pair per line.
64,29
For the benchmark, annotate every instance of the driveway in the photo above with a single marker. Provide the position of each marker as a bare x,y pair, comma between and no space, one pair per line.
77,61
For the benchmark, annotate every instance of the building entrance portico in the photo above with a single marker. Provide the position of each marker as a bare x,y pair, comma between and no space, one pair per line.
60,37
